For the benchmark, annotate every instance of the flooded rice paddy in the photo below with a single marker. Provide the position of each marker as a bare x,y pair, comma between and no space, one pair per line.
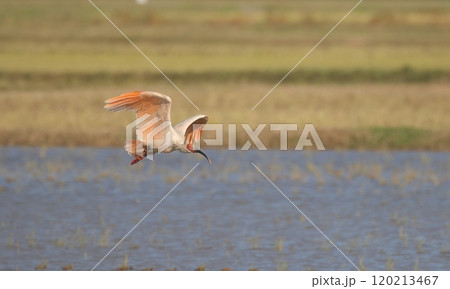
66,208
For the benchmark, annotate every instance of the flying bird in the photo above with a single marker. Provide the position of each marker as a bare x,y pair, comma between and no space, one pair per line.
154,131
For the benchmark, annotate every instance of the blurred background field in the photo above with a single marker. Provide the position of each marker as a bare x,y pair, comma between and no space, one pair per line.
379,81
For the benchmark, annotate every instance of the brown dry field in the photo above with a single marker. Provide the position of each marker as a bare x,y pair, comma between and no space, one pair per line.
379,81
356,116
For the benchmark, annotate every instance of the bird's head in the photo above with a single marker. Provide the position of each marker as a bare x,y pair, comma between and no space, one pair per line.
192,150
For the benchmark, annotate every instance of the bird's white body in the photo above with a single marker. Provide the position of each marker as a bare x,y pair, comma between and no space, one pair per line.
154,130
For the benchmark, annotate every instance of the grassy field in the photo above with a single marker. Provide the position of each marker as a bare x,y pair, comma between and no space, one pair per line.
380,81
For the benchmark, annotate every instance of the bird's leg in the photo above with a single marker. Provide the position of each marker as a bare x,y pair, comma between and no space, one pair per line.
139,157
136,160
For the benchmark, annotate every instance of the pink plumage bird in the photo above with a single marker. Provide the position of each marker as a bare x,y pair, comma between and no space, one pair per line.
154,131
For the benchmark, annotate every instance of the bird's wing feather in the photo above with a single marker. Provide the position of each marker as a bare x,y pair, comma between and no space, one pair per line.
192,129
142,102
152,108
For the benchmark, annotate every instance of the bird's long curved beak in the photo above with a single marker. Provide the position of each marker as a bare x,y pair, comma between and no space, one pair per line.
203,154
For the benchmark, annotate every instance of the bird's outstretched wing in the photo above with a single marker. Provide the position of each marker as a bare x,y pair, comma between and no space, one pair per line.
142,102
152,110
192,129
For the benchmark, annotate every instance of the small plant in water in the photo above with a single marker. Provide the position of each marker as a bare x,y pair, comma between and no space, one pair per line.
199,243
67,268
420,243
255,242
42,265
60,242
325,245
279,245
282,266
403,236
10,241
31,240
79,239
390,264
103,240
361,264
200,268
124,266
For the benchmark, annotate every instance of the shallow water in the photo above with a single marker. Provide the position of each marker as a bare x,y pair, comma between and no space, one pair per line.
68,207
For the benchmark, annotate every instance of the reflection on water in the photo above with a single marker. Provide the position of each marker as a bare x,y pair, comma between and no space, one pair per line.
69,207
